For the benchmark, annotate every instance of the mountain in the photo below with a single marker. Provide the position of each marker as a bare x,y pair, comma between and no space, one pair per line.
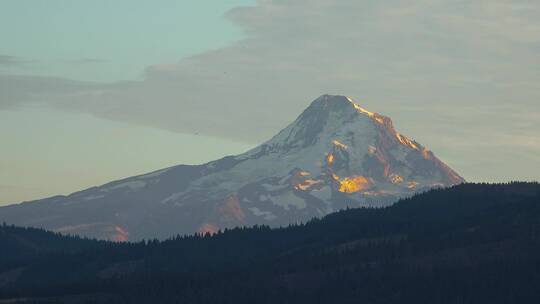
333,156
471,243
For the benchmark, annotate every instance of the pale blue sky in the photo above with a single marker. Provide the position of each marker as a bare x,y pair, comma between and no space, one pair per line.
104,40
45,152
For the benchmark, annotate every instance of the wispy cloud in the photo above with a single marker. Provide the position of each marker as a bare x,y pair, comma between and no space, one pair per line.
12,61
86,61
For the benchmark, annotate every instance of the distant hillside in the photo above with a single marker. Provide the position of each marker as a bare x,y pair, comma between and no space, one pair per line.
472,243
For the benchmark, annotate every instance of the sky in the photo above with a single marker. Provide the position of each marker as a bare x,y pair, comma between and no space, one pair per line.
196,80
105,41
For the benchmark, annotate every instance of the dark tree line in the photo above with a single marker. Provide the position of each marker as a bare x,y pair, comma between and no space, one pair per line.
473,243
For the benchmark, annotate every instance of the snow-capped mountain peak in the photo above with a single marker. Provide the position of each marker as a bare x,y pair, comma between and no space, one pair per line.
336,154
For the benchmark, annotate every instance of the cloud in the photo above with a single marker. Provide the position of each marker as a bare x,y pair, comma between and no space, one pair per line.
86,61
440,69
8,61
17,91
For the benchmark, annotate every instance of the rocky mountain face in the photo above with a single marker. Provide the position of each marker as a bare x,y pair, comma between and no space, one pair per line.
334,155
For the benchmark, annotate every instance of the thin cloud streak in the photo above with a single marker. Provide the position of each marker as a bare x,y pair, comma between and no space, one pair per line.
9,61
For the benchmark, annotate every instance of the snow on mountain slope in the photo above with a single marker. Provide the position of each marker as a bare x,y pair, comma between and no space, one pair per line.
334,155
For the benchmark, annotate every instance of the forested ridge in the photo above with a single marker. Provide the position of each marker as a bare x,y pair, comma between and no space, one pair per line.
472,243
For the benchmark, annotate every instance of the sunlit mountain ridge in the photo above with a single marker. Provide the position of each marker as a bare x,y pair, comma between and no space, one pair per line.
333,156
